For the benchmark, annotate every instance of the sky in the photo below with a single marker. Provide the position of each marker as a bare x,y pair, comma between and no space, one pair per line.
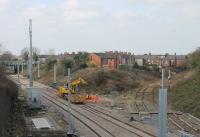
137,26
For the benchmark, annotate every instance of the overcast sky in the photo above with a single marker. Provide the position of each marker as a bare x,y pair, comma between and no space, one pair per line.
138,26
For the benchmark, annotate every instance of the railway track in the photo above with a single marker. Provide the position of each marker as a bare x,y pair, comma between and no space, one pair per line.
141,107
95,127
191,121
108,116
112,125
182,124
139,103
102,125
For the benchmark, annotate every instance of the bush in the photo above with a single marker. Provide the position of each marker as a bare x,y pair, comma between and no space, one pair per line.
50,63
100,78
91,65
136,65
125,67
81,57
67,63
83,65
194,59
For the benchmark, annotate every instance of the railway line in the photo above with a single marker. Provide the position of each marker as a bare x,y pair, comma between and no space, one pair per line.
191,121
99,123
110,124
141,107
103,124
104,114
95,127
182,124
139,103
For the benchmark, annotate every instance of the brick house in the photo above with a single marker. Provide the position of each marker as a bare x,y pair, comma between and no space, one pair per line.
166,61
180,61
141,59
124,58
177,61
103,60
154,59
111,59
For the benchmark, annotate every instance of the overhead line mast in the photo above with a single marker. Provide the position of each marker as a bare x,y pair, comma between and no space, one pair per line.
30,55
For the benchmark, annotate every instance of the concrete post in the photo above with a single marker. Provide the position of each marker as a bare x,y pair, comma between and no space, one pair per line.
38,66
162,109
162,112
22,68
71,125
55,73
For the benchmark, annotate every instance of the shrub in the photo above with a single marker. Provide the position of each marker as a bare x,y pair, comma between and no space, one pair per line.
83,65
67,63
50,63
194,59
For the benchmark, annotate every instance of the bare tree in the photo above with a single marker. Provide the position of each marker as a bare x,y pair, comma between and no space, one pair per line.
6,56
24,54
36,52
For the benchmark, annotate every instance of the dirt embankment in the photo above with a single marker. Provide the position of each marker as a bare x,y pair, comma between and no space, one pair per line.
102,81
8,93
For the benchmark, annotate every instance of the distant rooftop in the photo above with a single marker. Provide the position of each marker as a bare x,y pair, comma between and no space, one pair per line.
106,55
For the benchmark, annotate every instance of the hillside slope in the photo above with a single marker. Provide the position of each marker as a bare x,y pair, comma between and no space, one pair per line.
102,81
186,91
186,94
108,80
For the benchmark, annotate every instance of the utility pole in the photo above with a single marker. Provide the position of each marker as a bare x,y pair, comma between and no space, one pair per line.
71,125
30,56
55,73
162,109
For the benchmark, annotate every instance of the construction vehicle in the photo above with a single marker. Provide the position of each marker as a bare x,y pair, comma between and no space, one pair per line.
76,95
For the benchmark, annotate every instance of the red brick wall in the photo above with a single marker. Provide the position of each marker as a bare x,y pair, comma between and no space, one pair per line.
95,59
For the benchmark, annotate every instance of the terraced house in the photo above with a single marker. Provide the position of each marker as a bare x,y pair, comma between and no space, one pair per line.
111,59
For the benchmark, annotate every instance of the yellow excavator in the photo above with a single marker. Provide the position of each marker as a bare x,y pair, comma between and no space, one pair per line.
76,95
